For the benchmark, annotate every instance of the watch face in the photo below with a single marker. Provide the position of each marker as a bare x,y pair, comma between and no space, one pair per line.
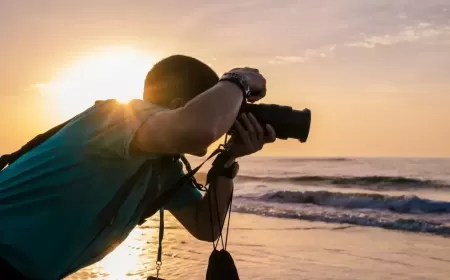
248,92
244,84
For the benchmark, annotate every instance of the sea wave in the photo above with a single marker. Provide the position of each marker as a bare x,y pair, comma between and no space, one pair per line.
407,223
313,159
368,182
397,204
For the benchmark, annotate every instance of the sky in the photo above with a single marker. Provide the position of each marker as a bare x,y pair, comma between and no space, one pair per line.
375,73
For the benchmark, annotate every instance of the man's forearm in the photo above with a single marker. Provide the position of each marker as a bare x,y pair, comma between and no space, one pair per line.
215,110
214,203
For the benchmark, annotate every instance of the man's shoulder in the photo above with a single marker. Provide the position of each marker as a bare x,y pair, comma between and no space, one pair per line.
133,104
109,126
105,113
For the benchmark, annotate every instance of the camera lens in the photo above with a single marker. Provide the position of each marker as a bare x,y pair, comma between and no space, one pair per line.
287,122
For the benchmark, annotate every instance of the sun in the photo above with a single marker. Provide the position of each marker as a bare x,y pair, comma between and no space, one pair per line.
111,73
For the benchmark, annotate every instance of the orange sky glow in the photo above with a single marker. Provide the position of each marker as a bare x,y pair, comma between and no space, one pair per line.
374,73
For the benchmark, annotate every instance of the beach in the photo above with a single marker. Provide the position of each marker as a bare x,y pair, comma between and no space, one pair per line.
274,248
336,111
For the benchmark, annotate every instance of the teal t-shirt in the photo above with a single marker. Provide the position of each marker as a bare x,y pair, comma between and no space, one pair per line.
50,198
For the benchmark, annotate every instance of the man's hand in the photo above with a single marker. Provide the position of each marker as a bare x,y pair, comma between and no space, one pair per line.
250,136
255,80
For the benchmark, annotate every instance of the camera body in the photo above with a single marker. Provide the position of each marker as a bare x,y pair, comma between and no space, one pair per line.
287,122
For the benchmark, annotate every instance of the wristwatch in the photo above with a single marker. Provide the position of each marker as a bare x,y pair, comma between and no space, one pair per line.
219,169
228,172
238,80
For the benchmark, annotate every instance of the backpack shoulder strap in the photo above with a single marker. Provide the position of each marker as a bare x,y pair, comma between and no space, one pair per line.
9,159
168,193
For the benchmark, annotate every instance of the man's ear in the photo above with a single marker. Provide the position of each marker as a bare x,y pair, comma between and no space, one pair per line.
176,103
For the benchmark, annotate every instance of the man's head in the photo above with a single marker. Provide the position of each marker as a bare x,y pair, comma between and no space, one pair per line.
177,79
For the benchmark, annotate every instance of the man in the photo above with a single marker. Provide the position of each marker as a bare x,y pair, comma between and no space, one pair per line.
52,196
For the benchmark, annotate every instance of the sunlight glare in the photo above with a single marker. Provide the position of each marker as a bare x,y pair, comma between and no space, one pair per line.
113,73
124,258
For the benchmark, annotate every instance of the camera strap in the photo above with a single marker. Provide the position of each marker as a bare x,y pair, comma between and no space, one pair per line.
168,193
221,264
164,197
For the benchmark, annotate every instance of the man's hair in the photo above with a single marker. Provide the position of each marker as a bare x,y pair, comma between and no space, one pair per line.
178,76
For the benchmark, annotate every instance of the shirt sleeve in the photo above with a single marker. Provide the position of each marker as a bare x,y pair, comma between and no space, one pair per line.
186,196
109,128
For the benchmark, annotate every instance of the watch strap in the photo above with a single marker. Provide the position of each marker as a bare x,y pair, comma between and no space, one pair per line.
219,169
238,80
228,172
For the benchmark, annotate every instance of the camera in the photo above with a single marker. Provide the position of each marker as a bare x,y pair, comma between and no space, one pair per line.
287,122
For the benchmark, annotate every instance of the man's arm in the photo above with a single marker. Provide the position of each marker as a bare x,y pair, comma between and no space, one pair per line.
196,218
250,138
199,123
193,127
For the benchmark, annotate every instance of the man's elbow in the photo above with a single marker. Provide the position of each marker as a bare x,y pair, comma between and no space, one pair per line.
199,139
203,231
205,137
204,237
207,235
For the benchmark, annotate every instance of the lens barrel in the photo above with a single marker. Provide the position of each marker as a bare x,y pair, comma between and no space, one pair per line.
287,122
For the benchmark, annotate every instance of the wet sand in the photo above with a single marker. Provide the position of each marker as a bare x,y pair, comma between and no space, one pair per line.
274,248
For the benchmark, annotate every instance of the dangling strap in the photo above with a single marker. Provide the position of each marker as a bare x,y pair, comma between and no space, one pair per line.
220,161
220,237
161,236
162,199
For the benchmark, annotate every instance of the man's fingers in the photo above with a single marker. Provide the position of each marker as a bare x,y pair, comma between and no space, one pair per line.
243,134
259,131
236,69
256,96
253,98
245,69
248,126
251,69
259,92
271,137
255,80
252,133
263,93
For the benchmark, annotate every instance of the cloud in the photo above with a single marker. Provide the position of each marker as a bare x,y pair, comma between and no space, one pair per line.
424,31
287,60
354,24
322,52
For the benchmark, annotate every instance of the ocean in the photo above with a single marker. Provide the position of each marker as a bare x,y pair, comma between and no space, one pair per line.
408,194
